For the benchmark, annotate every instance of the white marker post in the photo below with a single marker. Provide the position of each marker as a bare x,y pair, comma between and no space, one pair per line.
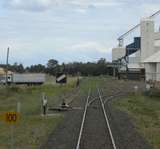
135,89
12,136
18,107
44,103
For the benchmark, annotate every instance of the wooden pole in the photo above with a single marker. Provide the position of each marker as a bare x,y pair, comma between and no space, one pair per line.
7,66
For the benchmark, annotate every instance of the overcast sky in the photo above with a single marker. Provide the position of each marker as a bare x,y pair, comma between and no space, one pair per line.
66,30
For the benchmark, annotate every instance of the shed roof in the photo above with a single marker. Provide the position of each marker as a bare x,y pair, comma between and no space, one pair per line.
155,58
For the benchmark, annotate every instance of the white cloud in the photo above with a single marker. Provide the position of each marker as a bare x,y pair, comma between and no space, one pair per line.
150,8
107,4
41,5
63,33
34,5
80,10
90,46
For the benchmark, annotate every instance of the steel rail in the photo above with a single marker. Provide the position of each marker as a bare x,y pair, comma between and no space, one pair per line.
83,120
95,98
107,97
113,96
107,121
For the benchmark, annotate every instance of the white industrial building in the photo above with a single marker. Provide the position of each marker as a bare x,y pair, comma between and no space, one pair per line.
150,50
144,53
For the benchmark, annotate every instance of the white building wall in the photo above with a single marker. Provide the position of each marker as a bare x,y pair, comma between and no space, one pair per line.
157,40
118,53
150,71
158,72
157,36
147,38
157,49
134,58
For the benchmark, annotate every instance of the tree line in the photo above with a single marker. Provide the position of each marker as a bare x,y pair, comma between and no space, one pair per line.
100,67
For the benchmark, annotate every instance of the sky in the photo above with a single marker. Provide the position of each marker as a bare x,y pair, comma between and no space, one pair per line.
67,30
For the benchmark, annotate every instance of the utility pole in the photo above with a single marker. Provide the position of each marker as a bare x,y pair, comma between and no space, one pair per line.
7,66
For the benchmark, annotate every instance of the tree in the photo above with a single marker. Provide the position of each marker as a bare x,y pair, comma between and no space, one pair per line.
36,68
52,63
102,61
52,66
102,66
17,68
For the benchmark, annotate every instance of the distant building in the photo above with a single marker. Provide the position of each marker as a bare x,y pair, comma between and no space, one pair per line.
143,53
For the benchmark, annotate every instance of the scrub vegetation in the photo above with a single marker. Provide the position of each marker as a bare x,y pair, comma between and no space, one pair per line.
33,128
145,111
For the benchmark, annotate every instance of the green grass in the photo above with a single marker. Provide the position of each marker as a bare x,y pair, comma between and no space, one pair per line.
145,112
29,132
33,129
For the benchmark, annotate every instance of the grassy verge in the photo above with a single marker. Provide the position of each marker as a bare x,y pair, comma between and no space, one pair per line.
33,129
145,112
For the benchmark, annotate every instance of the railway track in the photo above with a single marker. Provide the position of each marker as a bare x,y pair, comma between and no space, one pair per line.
95,131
